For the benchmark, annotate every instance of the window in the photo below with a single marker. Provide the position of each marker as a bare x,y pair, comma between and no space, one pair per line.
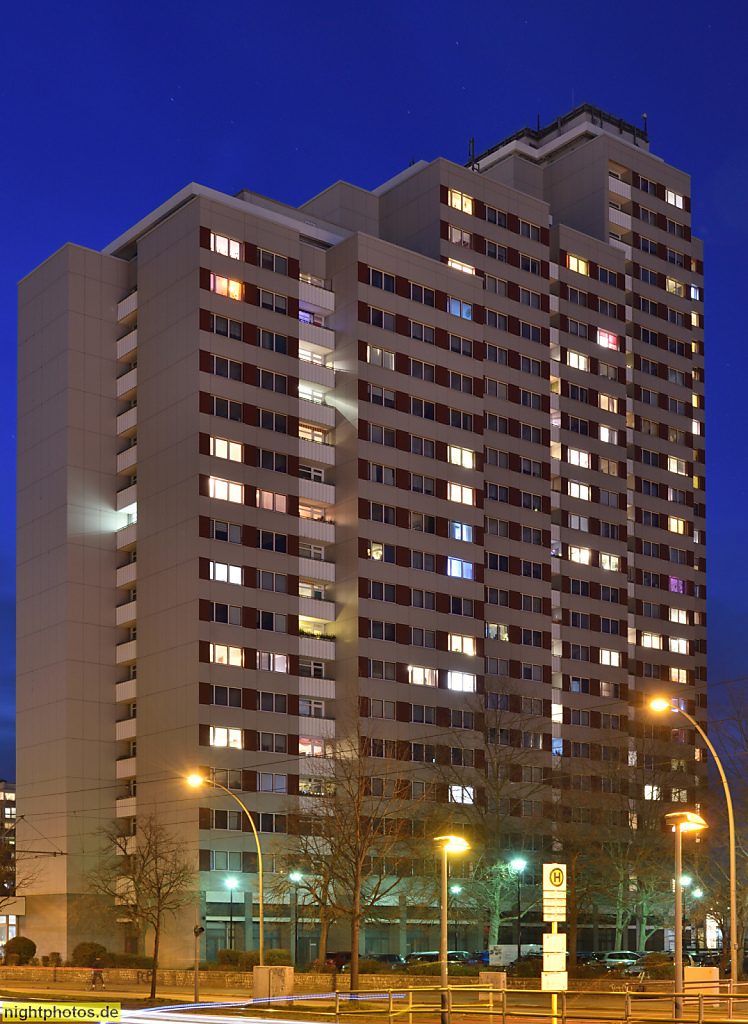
226,696
380,396
494,216
276,582
463,346
608,434
463,495
226,246
578,265
460,382
579,717
271,460
379,630
610,562
220,654
529,399
272,742
459,605
496,562
273,301
580,619
380,435
577,360
423,371
417,407
271,500
225,286
422,599
381,669
379,513
271,621
460,569
580,587
528,298
422,637
459,236
674,199
648,245
650,337
531,570
529,433
461,457
676,466
382,709
460,201
529,467
578,328
309,747
461,531
607,340
532,638
417,293
579,298
460,644
464,682
275,702
648,216
421,446
529,264
225,409
607,309
579,685
419,675
578,490
459,308
381,474
226,367
495,252
380,357
268,420
226,490
423,560
229,613
271,261
676,258
267,540
420,523
273,342
494,284
577,457
608,657
607,276
269,661
421,332
380,318
378,279
581,555
421,484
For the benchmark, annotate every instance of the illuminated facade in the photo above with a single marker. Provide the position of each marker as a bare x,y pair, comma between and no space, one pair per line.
411,451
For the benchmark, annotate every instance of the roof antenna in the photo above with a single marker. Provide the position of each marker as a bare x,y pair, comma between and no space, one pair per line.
538,123
412,161
471,153
645,123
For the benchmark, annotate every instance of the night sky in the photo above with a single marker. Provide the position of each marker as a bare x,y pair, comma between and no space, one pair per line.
108,109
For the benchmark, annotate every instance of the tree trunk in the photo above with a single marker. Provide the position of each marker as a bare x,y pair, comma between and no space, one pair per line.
156,938
572,916
355,927
324,928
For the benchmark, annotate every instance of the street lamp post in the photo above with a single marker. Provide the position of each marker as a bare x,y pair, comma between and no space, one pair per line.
685,881
231,884
681,821
663,704
519,866
197,780
450,844
295,877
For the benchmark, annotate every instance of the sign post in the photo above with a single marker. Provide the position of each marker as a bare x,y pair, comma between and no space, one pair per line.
555,976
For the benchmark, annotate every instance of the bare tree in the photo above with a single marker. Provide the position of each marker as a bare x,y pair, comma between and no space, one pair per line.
146,877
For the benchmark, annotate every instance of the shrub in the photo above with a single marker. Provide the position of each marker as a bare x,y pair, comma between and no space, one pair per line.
371,966
229,957
85,953
21,947
131,961
526,968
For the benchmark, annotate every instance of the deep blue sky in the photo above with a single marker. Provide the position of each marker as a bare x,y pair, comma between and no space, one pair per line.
107,109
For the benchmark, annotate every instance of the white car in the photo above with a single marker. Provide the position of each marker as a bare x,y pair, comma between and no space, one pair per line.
617,958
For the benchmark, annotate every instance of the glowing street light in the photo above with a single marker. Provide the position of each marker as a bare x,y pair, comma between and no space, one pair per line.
196,780
231,884
664,704
450,844
681,821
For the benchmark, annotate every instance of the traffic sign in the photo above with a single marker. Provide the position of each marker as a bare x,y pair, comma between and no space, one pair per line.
554,892
554,981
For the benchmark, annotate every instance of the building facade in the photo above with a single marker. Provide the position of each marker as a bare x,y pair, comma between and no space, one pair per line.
418,456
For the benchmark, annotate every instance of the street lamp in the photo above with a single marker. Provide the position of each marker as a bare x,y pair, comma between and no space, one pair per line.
685,881
450,844
231,884
197,780
681,821
295,877
663,704
518,866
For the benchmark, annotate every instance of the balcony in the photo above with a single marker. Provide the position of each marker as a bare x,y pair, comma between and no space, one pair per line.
127,420
125,730
618,187
126,807
618,244
317,647
317,529
127,382
127,344
126,690
315,335
553,303
315,299
127,536
128,306
127,574
316,374
126,767
127,498
317,609
310,686
127,652
314,451
308,726
126,613
623,220
127,459
317,491
316,569
316,766
316,412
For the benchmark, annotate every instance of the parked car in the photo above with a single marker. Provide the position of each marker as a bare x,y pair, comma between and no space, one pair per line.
613,958
480,957
648,961
338,959
707,957
392,960
454,956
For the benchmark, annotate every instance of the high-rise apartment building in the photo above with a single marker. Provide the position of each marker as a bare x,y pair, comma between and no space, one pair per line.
406,451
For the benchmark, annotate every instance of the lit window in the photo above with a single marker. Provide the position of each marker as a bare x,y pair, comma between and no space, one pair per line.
225,738
675,287
459,569
461,457
271,500
579,490
678,645
459,308
459,201
225,286
607,340
678,675
608,434
461,644
497,631
652,792
581,555
612,658
578,458
676,466
465,268
676,525
223,449
674,199
461,795
225,490
461,681
607,403
577,360
461,531
220,654
380,357
226,246
611,562
579,266
462,494
458,236
418,675
652,640
226,573
678,615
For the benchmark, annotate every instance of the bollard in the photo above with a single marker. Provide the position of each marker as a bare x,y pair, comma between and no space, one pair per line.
337,1007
